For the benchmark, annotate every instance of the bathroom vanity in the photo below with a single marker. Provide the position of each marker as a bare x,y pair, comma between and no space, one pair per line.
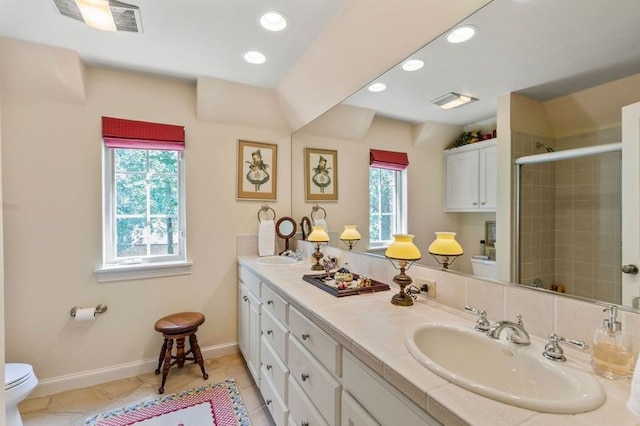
324,360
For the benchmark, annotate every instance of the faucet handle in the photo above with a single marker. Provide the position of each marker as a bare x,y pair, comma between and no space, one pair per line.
482,324
554,352
519,318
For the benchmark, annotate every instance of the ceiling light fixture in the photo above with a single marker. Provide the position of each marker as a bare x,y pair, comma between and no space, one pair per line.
377,87
452,100
412,64
96,14
461,34
105,15
273,21
254,57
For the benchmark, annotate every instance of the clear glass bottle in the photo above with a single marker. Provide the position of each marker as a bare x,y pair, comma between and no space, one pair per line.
612,355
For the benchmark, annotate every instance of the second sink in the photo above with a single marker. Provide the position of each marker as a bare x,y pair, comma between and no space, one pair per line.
516,375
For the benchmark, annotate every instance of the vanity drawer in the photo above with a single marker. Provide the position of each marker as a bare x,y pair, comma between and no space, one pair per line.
251,281
301,409
276,406
318,384
273,367
274,303
353,414
274,333
317,341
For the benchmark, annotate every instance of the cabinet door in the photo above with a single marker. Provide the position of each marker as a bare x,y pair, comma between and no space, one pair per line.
253,361
243,321
461,186
488,178
353,414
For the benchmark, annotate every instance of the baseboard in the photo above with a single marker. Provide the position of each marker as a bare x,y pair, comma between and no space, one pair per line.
116,372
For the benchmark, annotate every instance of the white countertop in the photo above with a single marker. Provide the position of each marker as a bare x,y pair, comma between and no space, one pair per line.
373,329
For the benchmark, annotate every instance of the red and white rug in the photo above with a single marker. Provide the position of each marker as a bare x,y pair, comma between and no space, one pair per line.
219,404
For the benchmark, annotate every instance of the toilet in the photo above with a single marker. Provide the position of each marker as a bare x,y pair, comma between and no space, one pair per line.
484,268
19,381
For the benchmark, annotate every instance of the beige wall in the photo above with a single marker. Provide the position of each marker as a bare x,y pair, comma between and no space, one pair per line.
51,170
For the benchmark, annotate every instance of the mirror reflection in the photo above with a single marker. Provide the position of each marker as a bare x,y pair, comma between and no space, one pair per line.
543,84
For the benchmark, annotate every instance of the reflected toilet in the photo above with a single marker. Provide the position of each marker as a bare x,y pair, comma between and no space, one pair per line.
484,268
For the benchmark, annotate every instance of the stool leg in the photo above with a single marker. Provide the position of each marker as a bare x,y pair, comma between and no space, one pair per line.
180,355
197,355
167,364
162,352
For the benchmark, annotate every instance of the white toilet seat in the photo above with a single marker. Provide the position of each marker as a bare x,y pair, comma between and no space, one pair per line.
16,374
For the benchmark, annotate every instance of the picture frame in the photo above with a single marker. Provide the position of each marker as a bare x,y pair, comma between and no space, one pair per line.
257,170
490,233
321,174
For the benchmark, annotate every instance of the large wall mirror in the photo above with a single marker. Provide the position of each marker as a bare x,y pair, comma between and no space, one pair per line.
548,76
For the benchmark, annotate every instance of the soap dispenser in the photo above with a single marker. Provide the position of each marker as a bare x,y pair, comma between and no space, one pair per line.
612,349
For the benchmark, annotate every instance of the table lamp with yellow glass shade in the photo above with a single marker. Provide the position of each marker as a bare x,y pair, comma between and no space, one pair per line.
319,238
350,236
404,252
445,249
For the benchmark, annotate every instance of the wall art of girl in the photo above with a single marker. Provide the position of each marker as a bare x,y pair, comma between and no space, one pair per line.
321,177
257,174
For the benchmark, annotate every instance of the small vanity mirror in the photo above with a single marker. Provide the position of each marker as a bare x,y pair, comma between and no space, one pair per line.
286,228
305,225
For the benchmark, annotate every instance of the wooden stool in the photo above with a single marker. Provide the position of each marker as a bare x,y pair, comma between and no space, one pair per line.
178,327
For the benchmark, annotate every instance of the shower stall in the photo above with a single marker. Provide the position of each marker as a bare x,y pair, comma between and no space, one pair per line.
568,216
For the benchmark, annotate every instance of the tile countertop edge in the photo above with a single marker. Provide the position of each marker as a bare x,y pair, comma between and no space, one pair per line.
432,393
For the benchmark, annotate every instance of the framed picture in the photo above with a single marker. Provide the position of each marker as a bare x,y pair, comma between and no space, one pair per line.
321,174
257,170
490,233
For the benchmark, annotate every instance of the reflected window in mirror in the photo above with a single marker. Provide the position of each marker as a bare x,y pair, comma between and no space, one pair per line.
387,196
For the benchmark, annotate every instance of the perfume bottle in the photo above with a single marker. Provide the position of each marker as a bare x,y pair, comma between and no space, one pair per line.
612,349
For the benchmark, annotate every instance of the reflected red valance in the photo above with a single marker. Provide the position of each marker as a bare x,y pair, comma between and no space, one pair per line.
390,160
131,134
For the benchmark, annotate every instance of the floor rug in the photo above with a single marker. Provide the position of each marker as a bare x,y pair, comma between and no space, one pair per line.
218,404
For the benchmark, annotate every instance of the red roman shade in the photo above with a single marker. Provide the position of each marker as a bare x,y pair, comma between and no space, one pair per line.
131,134
390,160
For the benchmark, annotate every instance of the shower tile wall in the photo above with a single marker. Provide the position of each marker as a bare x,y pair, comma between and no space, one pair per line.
571,217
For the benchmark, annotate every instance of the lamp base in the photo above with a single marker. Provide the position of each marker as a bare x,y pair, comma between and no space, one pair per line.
317,256
402,299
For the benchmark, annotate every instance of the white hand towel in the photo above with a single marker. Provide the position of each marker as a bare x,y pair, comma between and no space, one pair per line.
323,223
633,404
266,238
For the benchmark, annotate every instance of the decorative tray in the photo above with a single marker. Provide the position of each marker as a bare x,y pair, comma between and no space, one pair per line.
330,286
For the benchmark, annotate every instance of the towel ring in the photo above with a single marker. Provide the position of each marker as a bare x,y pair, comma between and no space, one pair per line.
265,209
315,209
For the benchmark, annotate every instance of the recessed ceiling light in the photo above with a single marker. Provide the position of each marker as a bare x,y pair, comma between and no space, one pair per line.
461,34
412,64
254,57
273,21
452,100
377,87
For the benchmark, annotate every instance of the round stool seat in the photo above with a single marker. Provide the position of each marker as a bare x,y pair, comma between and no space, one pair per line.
180,323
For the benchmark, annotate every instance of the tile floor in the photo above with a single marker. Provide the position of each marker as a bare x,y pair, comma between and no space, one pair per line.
73,407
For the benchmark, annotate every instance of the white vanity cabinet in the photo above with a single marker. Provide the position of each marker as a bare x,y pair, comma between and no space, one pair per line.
249,320
471,177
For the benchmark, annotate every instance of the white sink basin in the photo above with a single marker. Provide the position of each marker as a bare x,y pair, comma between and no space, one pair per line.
516,375
278,261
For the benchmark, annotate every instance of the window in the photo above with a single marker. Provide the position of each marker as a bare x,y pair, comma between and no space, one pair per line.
144,202
387,196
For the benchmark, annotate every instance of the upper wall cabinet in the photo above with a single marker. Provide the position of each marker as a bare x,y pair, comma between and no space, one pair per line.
471,177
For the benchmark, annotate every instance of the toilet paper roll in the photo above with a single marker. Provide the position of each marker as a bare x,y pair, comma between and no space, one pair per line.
85,314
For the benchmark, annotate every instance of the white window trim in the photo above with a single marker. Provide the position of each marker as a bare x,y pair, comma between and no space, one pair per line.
160,266
401,210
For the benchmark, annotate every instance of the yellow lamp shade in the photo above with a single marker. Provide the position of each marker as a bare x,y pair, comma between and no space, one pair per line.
403,248
350,233
445,244
318,235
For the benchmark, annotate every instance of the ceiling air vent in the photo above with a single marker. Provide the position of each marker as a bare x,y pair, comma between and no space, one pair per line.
126,17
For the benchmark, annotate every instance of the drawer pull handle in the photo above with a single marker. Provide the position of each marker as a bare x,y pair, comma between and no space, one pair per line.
268,401
304,377
269,331
245,298
305,336
304,423
269,367
269,302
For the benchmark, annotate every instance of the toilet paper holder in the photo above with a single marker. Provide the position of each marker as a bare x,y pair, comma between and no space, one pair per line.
100,309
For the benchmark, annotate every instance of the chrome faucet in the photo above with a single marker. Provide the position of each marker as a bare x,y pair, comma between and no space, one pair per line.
516,332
